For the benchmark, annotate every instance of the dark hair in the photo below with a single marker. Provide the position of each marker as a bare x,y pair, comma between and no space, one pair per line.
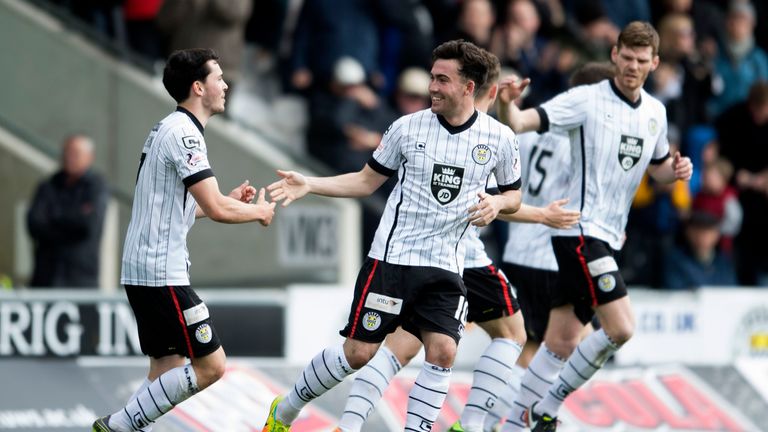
493,73
183,68
473,64
639,34
592,72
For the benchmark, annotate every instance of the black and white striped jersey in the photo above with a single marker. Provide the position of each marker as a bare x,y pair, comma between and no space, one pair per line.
546,170
174,158
441,169
612,142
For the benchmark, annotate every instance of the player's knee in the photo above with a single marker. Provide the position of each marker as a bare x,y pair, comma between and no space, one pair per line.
358,355
620,334
441,354
563,347
211,370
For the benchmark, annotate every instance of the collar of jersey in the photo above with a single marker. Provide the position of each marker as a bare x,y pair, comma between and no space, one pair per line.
453,130
193,118
624,98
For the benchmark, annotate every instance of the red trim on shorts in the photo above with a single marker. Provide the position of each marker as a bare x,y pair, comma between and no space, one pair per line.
584,267
504,288
362,298
182,322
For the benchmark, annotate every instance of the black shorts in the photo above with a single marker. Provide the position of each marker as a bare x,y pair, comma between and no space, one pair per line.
535,288
589,275
172,320
416,298
489,293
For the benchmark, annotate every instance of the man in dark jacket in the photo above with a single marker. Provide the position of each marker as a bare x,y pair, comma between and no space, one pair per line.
66,218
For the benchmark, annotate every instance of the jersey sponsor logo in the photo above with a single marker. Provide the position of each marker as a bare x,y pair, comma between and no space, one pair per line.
371,321
203,334
481,154
196,314
602,265
606,283
630,150
383,303
191,141
446,182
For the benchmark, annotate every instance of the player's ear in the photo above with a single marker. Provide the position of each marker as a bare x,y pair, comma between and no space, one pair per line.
654,63
614,54
470,87
493,92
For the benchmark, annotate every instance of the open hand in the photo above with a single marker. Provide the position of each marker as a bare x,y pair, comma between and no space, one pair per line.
291,187
555,216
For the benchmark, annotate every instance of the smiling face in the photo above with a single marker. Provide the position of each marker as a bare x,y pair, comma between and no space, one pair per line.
448,90
214,89
633,65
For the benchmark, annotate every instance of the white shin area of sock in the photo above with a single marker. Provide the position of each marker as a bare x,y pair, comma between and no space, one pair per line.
159,397
427,397
590,355
368,388
541,373
490,378
325,371
505,400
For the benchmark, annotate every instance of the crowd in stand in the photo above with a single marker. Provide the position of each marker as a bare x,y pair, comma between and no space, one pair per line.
359,64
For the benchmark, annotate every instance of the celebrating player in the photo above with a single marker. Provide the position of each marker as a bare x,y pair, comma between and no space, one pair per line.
175,185
616,131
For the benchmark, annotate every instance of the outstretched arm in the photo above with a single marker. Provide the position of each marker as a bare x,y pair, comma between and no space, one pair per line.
294,186
553,215
510,88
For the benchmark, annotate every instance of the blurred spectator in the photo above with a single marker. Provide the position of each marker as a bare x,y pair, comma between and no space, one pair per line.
683,80
701,145
697,261
103,15
518,45
707,18
721,199
328,30
742,130
624,12
412,92
595,32
740,63
346,119
65,220
140,29
216,24
475,24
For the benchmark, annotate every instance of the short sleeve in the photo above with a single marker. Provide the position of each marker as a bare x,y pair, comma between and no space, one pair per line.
661,150
508,168
567,110
388,154
189,155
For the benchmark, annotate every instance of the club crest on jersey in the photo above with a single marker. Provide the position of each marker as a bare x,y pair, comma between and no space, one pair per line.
653,126
481,154
446,182
630,150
